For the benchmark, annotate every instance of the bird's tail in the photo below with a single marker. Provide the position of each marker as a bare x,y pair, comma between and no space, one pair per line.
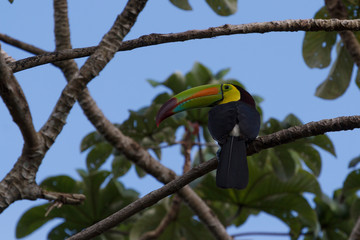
232,170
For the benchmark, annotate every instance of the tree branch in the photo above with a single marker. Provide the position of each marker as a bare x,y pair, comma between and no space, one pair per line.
303,131
261,143
155,39
15,101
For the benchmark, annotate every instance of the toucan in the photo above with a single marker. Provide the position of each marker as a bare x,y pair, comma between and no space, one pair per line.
233,122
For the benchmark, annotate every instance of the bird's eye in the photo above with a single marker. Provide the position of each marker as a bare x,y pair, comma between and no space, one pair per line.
226,87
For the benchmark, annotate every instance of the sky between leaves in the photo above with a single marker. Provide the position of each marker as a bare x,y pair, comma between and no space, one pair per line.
269,65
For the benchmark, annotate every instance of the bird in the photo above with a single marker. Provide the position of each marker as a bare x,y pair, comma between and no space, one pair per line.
233,122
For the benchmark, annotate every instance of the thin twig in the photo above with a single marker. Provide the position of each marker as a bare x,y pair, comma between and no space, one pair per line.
155,39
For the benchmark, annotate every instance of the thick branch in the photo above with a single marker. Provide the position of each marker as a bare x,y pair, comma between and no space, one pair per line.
155,39
264,142
15,101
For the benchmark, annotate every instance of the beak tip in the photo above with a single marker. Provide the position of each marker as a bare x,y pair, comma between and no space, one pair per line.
166,111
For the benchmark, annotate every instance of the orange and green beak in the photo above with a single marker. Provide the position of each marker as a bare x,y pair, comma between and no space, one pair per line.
197,97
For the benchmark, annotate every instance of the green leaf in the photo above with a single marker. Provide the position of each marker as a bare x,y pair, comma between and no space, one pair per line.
352,182
282,162
219,75
311,158
98,155
184,226
31,220
223,7
290,121
153,82
176,82
182,4
90,140
140,172
60,183
279,204
120,166
339,76
324,142
317,46
63,231
11,1
357,79
199,75
354,162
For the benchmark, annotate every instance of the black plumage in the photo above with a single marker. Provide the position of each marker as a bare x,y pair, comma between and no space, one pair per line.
232,170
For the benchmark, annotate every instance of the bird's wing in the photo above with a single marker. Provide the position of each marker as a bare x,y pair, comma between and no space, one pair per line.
249,120
222,119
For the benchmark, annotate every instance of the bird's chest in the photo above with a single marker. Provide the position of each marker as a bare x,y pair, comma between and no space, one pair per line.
235,131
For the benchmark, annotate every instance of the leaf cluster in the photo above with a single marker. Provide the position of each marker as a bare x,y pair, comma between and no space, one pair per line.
317,50
104,196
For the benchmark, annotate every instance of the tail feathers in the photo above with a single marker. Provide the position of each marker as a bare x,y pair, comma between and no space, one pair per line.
232,170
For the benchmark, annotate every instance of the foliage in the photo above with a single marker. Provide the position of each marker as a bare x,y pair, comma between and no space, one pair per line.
183,227
317,48
104,196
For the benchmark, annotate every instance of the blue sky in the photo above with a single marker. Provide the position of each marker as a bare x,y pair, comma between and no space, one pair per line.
269,65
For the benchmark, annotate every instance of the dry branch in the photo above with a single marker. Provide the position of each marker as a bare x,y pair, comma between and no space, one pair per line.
155,39
261,143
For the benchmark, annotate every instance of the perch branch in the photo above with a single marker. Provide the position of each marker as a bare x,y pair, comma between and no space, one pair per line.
155,39
260,143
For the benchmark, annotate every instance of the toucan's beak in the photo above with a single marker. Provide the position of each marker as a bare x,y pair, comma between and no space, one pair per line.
197,97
